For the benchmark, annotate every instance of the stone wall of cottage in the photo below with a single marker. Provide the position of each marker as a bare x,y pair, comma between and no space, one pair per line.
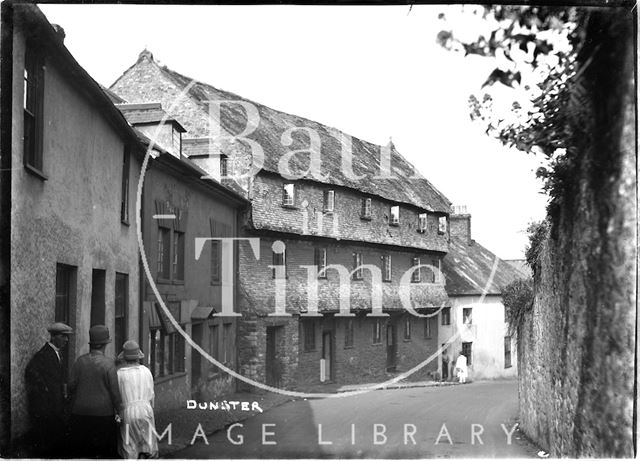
257,290
577,345
307,215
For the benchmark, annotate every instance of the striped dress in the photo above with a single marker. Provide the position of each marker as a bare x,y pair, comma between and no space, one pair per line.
138,424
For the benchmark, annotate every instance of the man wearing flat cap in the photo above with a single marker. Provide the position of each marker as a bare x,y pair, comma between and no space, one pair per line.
93,385
45,383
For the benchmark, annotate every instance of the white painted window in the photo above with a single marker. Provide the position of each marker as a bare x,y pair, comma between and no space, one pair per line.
288,194
395,215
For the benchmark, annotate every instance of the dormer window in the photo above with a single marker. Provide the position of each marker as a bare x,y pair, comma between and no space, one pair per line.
329,201
442,225
422,222
395,216
224,166
365,212
288,195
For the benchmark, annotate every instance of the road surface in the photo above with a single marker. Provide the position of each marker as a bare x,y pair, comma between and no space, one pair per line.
461,421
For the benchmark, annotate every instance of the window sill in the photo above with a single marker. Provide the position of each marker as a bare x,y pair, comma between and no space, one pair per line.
309,350
216,283
377,344
405,340
163,281
125,222
178,282
349,347
290,207
162,379
35,172
394,224
365,218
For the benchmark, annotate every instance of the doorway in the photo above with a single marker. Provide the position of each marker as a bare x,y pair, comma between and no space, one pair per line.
327,355
274,367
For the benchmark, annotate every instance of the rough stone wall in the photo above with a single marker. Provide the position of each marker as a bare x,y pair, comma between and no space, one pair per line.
577,344
307,216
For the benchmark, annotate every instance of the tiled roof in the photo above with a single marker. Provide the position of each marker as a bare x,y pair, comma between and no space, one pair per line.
520,265
417,191
468,270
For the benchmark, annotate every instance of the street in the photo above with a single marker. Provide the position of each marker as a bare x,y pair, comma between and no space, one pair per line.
461,421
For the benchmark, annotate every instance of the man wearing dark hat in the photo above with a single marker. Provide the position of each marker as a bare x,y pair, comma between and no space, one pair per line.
96,401
45,382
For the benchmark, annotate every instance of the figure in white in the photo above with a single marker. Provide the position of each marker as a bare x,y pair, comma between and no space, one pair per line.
137,428
461,368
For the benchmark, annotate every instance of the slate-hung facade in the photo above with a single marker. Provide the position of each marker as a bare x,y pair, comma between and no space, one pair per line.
477,312
391,223
74,162
191,289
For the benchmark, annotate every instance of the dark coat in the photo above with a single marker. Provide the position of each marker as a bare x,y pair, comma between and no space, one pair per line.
44,379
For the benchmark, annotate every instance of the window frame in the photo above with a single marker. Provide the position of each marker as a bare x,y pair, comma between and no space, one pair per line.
447,317
320,261
124,198
386,268
275,261
442,225
507,352
328,201
467,351
467,313
124,315
428,328
422,222
33,110
407,328
365,209
376,337
289,198
416,275
394,220
358,261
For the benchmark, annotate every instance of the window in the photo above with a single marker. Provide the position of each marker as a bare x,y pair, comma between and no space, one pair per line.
328,200
348,333
218,230
415,275
279,259
320,261
446,316
430,273
507,351
164,250
167,352
435,269
442,225
428,327
124,200
466,351
309,332
288,195
386,268
224,166
377,331
214,348
365,211
215,261
65,293
121,310
466,316
227,343
422,222
395,216
33,109
178,255
357,262
407,328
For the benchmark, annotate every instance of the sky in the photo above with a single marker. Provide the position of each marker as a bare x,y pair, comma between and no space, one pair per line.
374,72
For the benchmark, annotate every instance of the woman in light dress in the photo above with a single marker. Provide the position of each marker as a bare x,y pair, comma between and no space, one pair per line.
137,429
461,368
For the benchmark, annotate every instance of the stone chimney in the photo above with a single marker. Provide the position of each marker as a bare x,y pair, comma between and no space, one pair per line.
145,55
460,223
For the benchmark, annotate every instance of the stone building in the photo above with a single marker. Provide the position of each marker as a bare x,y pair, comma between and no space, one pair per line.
475,278
190,288
313,205
70,163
